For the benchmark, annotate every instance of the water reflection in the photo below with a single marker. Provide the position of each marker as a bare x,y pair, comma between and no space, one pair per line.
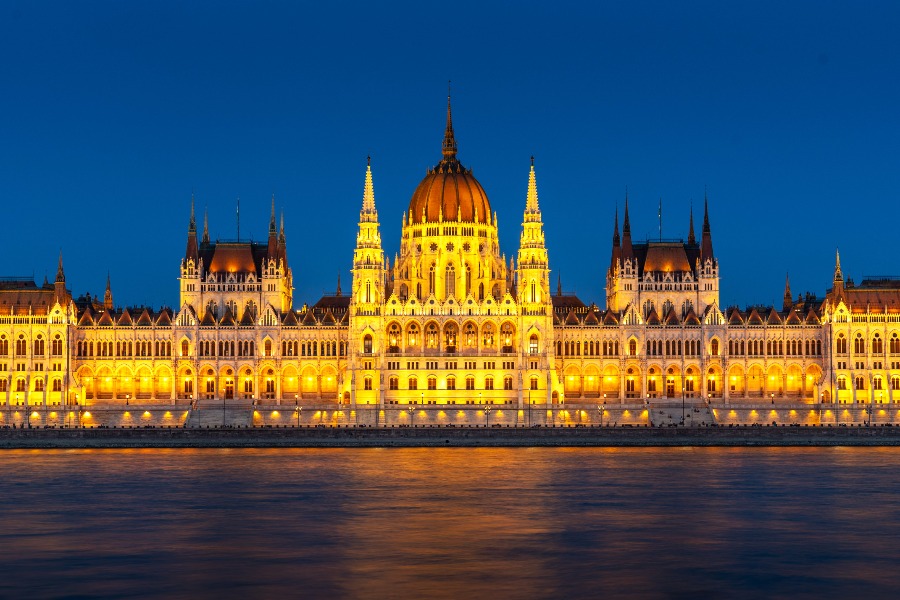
507,523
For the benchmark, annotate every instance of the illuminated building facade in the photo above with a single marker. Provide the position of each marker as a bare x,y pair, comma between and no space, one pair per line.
449,322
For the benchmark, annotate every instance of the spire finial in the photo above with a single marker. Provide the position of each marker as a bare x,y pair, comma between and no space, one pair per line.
449,146
338,291
238,218
691,238
559,284
205,238
282,225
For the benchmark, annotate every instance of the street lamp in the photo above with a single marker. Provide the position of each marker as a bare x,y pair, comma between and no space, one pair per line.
682,403
600,410
299,412
127,398
772,396
411,412
487,416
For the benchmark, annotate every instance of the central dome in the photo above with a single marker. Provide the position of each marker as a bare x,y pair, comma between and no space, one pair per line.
449,190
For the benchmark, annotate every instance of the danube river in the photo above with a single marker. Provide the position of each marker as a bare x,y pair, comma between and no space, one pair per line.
451,523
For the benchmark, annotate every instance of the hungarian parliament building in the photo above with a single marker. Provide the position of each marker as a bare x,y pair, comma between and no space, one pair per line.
449,322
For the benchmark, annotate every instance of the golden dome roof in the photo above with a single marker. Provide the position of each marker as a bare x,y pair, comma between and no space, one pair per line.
449,190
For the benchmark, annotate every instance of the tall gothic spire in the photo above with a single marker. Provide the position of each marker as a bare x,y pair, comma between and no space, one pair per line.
531,203
788,300
368,212
205,238
691,238
191,250
706,247
272,228
838,275
449,146
338,291
627,249
616,243
60,274
192,224
281,234
107,296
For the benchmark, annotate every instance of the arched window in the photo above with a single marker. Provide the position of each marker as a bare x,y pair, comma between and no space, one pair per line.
367,344
507,383
450,333
487,335
506,336
412,337
470,383
431,334
367,383
56,347
534,382
468,280
859,344
450,281
471,338
432,382
632,348
860,382
39,385
876,383
488,383
394,382
268,348
877,345
21,346
481,291
895,344
368,291
184,347
393,337
533,344
431,279
57,385
714,347
841,344
413,383
4,345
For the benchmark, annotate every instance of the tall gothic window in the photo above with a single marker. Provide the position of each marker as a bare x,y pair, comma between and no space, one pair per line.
451,281
431,279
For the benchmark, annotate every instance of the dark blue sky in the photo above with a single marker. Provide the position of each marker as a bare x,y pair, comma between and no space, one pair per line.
112,113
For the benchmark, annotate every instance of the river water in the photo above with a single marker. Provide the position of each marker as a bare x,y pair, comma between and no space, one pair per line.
451,523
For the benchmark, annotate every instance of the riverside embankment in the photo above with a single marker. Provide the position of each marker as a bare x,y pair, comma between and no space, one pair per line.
367,437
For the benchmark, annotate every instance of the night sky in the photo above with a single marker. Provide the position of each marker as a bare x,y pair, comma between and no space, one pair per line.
113,112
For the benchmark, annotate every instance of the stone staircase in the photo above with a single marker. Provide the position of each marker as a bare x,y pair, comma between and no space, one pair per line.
670,414
237,412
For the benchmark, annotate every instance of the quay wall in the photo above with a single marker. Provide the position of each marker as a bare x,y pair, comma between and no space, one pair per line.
424,436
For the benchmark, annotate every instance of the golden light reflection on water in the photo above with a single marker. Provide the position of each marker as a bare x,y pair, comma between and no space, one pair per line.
451,522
